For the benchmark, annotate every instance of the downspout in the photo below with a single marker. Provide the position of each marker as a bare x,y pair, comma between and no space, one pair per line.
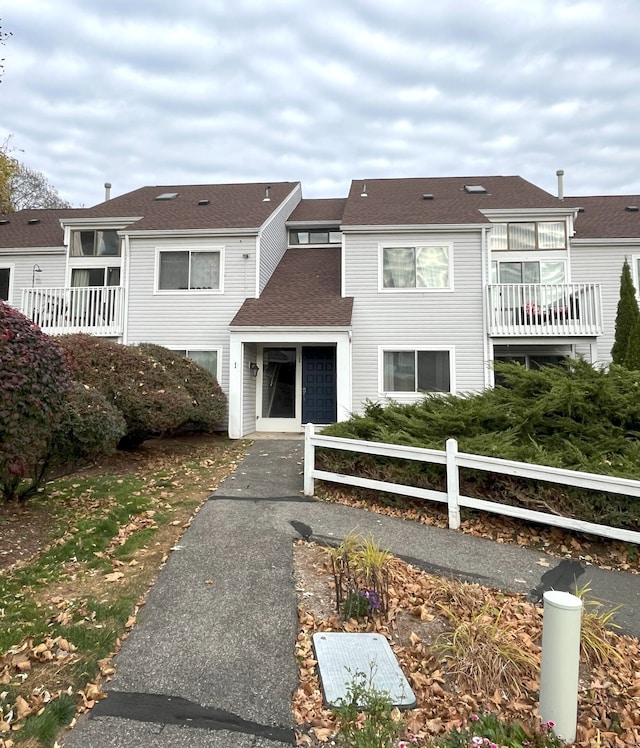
487,350
126,266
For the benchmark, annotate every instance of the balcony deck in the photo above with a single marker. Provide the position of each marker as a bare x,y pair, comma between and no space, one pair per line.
98,310
544,310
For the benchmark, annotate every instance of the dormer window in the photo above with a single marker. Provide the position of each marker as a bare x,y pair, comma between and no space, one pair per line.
95,243
315,236
529,235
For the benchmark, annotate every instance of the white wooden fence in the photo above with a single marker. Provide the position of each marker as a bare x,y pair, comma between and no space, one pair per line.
454,460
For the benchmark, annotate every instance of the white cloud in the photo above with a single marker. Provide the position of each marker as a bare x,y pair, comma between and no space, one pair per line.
156,91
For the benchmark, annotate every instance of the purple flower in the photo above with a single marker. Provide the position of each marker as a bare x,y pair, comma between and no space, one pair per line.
474,718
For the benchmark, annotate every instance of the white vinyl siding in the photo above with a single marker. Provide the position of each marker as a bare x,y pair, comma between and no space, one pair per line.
602,264
273,238
249,390
420,320
51,275
188,320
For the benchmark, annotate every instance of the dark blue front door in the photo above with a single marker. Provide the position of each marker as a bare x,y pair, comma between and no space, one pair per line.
318,385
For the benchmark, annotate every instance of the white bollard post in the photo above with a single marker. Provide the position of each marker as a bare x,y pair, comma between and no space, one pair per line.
309,459
560,662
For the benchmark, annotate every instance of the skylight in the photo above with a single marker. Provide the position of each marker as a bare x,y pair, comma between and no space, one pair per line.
475,189
167,196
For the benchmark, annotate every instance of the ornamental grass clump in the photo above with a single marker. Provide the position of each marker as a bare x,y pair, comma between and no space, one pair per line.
360,571
487,653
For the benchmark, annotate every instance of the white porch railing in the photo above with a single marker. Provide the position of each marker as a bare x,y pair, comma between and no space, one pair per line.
98,310
534,309
454,460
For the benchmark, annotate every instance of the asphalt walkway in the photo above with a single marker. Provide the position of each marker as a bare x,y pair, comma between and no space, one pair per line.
211,663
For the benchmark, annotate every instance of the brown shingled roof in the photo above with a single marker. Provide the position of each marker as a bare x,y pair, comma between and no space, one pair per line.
304,291
606,217
319,209
34,228
229,206
400,201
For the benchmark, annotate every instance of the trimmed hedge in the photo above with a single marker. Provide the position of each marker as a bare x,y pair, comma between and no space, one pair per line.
153,400
208,399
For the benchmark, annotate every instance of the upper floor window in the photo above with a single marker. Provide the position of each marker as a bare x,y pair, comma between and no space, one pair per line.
85,277
189,270
530,235
95,243
424,267
315,236
534,271
5,283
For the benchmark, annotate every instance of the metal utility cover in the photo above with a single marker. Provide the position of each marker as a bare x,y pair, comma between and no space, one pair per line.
341,656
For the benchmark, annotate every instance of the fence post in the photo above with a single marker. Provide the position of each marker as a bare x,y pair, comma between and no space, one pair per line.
453,484
309,459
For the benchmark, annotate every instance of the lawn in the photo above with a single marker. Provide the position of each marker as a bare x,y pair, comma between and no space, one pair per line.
75,566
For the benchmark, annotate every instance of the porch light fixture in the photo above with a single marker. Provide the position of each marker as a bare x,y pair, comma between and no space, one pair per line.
36,269
254,369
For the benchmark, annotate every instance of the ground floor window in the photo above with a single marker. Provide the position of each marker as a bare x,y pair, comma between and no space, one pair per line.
5,280
529,361
416,371
207,359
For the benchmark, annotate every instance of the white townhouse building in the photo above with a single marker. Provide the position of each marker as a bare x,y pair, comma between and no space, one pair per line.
305,309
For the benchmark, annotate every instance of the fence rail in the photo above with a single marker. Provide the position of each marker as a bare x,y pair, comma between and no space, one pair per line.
454,460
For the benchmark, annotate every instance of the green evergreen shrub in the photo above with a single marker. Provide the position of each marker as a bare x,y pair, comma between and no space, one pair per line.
626,316
33,383
632,357
208,399
150,400
573,416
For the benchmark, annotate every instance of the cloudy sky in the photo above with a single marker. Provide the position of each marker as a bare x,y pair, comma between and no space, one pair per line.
150,92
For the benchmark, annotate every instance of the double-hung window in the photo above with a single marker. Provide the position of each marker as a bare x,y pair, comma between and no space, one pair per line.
189,270
424,267
415,371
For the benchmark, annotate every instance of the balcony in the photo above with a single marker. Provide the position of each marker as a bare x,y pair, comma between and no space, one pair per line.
537,310
98,310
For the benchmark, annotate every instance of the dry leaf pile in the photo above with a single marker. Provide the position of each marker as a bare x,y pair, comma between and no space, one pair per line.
422,607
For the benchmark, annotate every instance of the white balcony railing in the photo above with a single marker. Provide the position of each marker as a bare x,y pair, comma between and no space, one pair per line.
534,309
98,310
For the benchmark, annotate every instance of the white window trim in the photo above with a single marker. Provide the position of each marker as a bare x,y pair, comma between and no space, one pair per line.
188,291
201,349
635,275
12,275
424,289
415,396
